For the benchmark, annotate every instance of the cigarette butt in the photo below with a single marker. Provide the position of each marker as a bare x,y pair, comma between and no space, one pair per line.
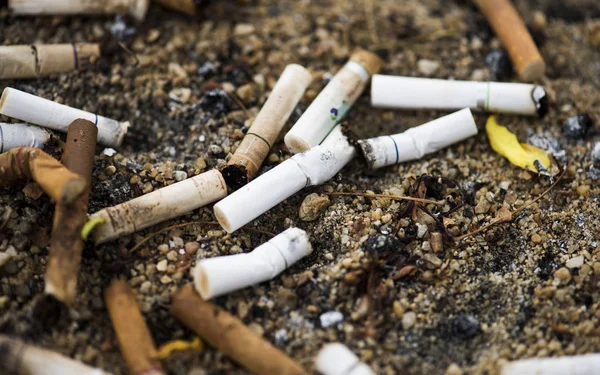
515,37
66,243
17,135
337,359
587,364
20,358
48,114
313,167
330,106
132,332
135,8
419,141
28,163
255,146
159,205
212,277
230,336
184,6
429,93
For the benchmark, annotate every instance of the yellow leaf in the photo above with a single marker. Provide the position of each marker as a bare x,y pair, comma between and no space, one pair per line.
165,350
89,226
520,154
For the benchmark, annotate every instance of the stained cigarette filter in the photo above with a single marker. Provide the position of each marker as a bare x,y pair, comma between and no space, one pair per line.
313,167
429,93
420,140
18,104
212,276
587,364
136,8
337,359
332,103
17,135
184,6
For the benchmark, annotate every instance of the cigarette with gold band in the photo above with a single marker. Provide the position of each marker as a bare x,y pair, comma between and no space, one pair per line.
135,8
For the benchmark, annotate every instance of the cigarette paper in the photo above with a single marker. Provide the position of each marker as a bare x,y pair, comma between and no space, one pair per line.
18,104
429,93
418,141
330,106
134,337
337,359
66,244
159,205
24,61
255,146
230,336
19,358
135,8
212,277
184,6
17,135
313,167
28,163
515,37
587,364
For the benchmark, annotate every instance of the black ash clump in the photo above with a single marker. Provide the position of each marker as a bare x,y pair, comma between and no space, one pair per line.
215,101
540,98
207,70
499,65
594,171
465,327
577,126
382,244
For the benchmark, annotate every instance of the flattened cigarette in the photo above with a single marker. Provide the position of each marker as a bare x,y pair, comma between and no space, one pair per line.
230,336
160,205
587,364
17,135
40,60
184,6
309,168
28,163
330,106
515,37
66,243
134,337
18,104
19,358
212,277
255,146
337,359
421,93
418,141
136,8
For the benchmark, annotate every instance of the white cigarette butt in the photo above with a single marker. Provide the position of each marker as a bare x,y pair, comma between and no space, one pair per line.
588,364
17,135
136,8
337,359
213,276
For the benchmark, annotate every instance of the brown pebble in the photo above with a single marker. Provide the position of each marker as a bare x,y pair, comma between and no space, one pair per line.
436,242
536,238
563,275
192,247
312,206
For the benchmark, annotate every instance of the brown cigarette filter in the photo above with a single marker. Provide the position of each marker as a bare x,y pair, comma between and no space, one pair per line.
44,59
29,163
184,6
134,337
232,337
66,244
515,37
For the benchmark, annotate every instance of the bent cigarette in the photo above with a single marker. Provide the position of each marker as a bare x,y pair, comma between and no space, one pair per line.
330,106
230,336
515,37
184,6
212,277
309,168
20,358
28,163
66,243
17,104
587,364
421,93
40,60
418,141
337,359
160,205
132,332
17,135
136,8
255,146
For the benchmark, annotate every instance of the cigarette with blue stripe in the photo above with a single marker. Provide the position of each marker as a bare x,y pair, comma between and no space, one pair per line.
416,142
48,114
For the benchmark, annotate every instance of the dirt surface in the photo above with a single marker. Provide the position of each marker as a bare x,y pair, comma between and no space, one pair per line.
523,289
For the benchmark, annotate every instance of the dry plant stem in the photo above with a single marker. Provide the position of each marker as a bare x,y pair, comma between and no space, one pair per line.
66,244
184,6
28,163
134,337
515,37
230,336
389,196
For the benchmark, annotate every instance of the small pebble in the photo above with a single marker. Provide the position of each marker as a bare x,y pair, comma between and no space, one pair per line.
180,175
575,262
427,67
331,318
192,247
536,238
465,326
162,265
409,319
312,206
563,275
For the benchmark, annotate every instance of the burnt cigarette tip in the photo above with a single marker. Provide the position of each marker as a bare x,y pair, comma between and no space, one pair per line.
370,61
72,190
540,98
533,71
235,176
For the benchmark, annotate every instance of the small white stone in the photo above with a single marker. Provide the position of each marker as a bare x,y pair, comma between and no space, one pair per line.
180,175
162,265
109,151
331,318
409,319
575,262
427,67
421,230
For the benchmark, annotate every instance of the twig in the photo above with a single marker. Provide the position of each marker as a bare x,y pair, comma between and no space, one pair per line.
371,21
389,196
238,101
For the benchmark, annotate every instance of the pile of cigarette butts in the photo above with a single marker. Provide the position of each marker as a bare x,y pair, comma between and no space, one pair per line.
321,148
